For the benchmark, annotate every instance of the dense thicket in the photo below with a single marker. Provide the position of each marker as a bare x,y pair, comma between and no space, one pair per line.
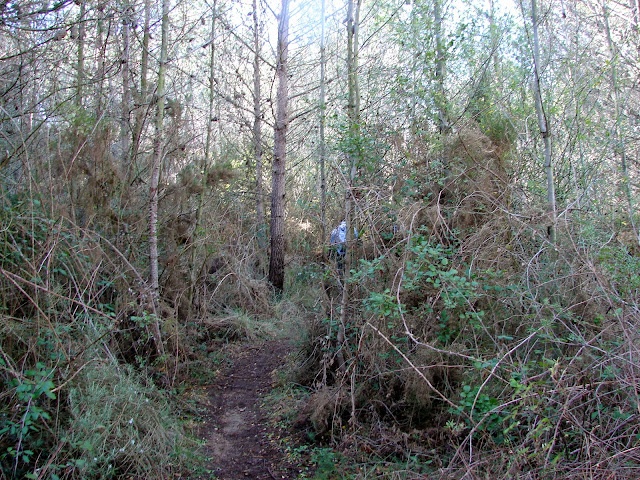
485,154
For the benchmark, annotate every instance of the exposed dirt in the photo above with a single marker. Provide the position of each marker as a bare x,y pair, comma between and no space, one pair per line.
241,443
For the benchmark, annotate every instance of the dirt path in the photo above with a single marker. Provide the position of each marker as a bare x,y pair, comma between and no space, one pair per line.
240,439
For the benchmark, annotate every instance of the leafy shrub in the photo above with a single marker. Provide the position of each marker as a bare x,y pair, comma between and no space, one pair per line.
68,408
119,424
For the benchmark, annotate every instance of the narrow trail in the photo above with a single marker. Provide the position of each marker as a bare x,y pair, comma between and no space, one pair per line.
240,440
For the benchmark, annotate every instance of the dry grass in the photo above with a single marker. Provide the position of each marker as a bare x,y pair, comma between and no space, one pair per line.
508,356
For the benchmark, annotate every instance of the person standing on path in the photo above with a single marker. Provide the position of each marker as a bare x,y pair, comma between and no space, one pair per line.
338,243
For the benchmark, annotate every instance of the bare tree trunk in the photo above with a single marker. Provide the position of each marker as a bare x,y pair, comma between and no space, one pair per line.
212,86
493,33
257,136
620,147
80,63
440,94
323,121
276,263
544,130
207,159
443,119
126,86
101,47
635,21
353,112
77,217
158,154
143,100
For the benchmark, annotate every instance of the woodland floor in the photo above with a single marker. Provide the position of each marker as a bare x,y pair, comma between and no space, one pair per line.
241,442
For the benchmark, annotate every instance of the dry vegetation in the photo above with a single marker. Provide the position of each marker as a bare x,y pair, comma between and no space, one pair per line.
474,347
477,349
84,393
470,346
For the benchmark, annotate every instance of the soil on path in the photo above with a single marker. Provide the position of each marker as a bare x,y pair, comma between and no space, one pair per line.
241,442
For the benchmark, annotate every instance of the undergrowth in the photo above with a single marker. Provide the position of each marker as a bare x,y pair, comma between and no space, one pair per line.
72,406
475,348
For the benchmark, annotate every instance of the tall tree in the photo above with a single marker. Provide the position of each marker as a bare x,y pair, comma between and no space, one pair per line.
208,154
440,94
125,138
619,148
276,263
323,121
80,73
353,154
143,97
156,161
257,134
543,126
101,52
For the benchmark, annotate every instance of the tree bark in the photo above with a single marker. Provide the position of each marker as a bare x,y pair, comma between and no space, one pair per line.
353,113
194,271
143,100
276,263
125,139
101,47
443,119
158,155
634,5
257,137
212,85
619,146
544,130
323,121
80,63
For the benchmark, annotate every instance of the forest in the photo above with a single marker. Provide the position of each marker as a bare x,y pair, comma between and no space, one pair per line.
171,174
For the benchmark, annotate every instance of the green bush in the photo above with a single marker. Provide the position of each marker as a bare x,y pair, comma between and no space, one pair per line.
68,407
119,424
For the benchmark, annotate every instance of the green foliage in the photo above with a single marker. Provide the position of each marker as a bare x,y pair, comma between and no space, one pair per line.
383,304
431,267
119,423
23,429
479,411
327,463
69,409
623,270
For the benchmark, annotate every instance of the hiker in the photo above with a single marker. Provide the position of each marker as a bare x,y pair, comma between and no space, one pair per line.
339,244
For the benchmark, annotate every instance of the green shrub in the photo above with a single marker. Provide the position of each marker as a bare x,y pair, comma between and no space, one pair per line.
68,407
120,424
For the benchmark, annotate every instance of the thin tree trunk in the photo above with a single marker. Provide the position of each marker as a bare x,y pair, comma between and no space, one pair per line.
353,112
635,21
323,120
126,86
207,159
212,85
80,63
257,137
158,154
276,263
493,32
78,103
620,147
143,100
443,119
101,47
544,130
440,94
